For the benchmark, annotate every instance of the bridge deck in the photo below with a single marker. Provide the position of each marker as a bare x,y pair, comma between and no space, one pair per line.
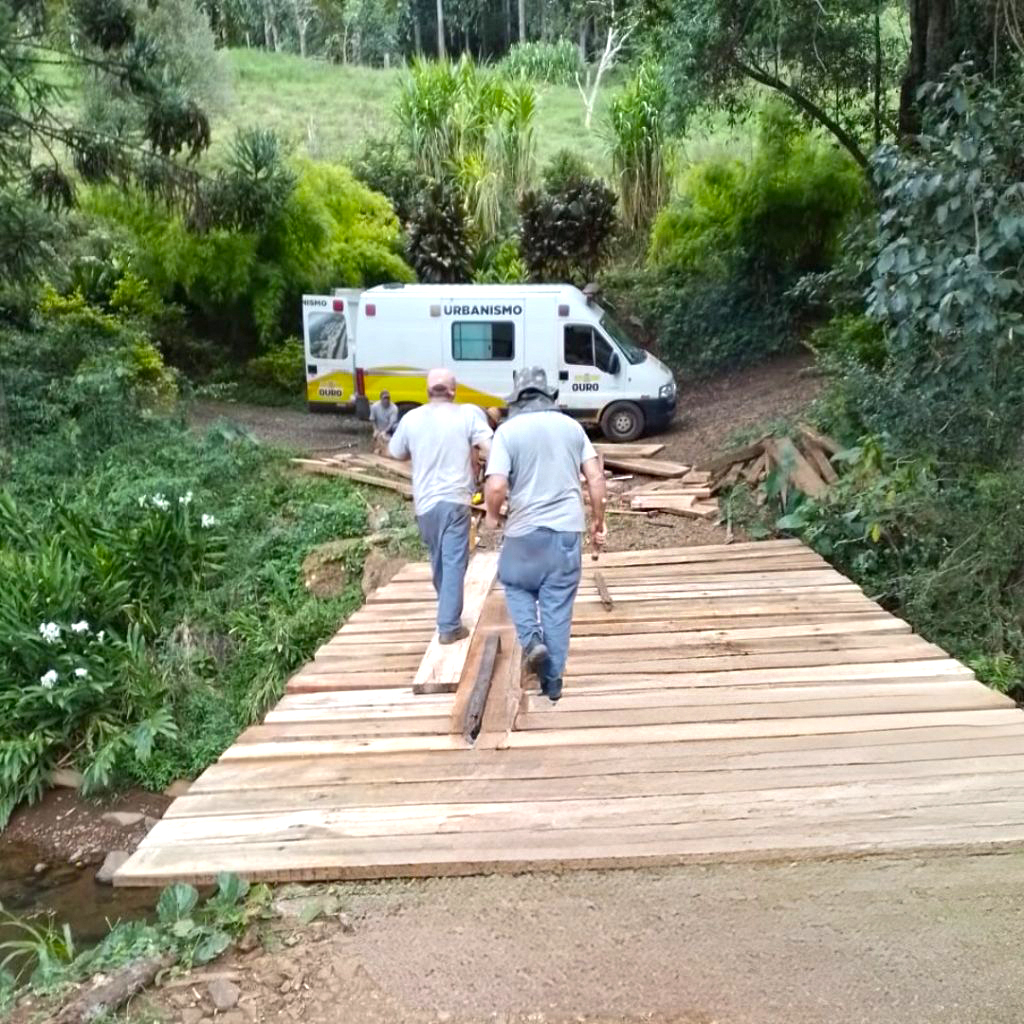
738,701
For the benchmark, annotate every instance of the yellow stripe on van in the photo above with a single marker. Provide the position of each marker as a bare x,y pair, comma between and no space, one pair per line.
333,388
409,384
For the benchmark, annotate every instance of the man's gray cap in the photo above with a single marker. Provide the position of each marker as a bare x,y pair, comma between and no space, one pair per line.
530,379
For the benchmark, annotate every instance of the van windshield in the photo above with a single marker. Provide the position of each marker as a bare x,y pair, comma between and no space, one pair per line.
630,349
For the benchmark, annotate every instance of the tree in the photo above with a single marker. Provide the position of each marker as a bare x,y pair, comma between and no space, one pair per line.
441,52
304,12
618,31
836,62
40,137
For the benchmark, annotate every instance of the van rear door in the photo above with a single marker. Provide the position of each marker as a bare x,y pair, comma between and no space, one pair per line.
330,353
484,344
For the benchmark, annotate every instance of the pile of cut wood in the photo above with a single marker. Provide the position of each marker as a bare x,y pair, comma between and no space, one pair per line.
674,488
804,461
363,468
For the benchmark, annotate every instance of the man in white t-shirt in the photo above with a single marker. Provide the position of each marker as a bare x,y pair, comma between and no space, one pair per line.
439,437
536,458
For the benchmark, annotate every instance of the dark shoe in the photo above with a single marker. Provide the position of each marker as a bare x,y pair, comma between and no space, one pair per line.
454,636
552,689
536,657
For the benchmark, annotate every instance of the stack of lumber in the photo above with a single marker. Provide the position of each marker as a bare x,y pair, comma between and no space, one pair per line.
673,488
363,468
805,462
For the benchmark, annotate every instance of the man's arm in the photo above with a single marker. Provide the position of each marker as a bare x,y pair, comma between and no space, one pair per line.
596,489
398,446
495,493
480,433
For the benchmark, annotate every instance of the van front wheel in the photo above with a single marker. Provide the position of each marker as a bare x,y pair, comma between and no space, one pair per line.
622,421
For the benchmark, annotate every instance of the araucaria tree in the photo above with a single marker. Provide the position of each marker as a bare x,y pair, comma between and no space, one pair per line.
44,149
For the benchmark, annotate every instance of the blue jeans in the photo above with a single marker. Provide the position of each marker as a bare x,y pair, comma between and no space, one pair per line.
445,530
541,574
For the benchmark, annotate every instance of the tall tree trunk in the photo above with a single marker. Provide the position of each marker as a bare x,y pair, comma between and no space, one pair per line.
583,40
302,28
933,50
522,21
508,23
441,53
417,32
878,74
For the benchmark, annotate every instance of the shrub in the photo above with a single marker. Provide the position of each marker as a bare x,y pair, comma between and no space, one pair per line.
555,63
636,129
501,264
779,215
566,235
386,167
850,338
245,285
281,370
564,170
438,245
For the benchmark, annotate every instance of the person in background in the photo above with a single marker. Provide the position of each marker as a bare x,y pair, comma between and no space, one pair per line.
535,462
383,419
440,437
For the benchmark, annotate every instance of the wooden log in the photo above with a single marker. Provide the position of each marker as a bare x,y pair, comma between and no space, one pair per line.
481,687
756,469
602,589
333,469
108,997
629,451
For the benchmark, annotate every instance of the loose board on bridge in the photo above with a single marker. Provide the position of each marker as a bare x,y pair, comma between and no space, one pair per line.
736,701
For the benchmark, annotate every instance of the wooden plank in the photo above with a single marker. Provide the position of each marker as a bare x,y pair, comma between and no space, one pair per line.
933,743
646,467
736,813
470,725
325,860
642,450
444,663
682,625
636,783
738,730
727,459
332,469
822,441
797,469
819,460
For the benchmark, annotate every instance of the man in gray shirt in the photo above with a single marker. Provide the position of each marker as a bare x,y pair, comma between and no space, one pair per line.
383,419
439,438
535,463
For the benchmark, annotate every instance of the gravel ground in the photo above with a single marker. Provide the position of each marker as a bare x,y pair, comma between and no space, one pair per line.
847,942
710,412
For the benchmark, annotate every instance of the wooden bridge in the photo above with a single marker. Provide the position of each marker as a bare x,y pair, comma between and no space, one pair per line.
740,701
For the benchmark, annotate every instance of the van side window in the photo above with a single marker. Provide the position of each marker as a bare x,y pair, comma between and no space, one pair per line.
579,345
585,347
483,340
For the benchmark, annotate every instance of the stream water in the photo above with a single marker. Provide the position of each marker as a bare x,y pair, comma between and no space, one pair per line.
71,894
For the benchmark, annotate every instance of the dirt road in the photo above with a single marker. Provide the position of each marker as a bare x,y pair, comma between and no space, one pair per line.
709,413
911,941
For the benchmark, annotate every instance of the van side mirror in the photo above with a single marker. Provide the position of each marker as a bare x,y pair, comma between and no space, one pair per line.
615,365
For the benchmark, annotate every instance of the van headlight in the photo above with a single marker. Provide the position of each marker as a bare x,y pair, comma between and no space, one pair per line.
667,391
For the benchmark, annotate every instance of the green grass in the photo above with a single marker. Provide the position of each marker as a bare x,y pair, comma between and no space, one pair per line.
328,111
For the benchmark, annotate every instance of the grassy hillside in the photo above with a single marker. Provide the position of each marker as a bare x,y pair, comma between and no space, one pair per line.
328,110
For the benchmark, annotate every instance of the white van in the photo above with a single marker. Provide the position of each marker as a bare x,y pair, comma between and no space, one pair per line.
387,338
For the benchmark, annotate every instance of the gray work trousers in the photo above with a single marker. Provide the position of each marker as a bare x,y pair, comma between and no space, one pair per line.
445,530
541,573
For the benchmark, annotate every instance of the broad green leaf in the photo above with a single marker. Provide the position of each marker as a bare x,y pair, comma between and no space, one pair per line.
176,902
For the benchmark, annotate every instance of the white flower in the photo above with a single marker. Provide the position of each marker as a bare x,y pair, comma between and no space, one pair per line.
81,673
207,521
142,500
81,626
186,498
50,632
100,635
160,502
49,679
